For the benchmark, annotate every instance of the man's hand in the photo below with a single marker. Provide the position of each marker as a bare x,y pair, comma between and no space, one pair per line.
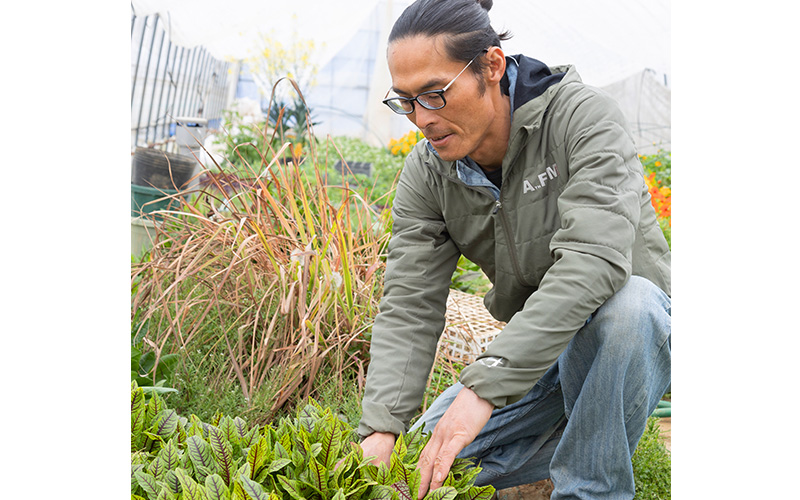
379,444
457,428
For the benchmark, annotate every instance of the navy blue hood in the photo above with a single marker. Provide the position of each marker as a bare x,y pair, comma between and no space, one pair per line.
533,78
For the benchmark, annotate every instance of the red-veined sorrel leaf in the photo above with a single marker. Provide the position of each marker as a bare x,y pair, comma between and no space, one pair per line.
249,438
216,489
154,407
478,493
166,424
200,453
402,489
254,490
170,454
317,474
443,493
158,467
137,422
172,481
278,464
257,456
223,452
331,443
228,429
191,490
147,482
241,429
137,400
291,487
358,488
381,492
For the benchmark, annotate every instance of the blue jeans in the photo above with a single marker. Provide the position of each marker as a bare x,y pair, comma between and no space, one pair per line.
581,422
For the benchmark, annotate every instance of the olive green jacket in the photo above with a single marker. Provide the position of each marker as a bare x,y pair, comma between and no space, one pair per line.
571,223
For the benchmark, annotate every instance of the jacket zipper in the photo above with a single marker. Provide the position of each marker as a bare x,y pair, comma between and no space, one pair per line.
512,251
498,206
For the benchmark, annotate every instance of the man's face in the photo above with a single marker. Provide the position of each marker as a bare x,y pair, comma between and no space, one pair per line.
463,126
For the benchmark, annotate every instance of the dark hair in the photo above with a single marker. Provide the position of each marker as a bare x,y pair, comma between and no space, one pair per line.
465,24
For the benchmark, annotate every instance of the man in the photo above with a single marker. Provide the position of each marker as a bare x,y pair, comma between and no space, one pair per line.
533,176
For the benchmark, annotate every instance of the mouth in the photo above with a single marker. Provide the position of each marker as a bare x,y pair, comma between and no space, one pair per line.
437,140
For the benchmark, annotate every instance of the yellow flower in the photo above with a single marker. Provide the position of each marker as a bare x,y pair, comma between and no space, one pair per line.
658,164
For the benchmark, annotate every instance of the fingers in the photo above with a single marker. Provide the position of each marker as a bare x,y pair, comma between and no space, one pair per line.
457,428
436,460
434,472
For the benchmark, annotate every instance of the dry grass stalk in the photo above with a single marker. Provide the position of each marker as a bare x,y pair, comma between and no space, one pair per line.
271,271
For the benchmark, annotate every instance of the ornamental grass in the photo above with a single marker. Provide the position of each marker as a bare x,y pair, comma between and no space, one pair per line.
275,277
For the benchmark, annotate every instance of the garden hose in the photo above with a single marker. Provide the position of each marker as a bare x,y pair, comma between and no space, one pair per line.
663,410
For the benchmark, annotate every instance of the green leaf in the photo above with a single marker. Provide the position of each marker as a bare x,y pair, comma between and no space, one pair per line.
172,481
148,483
228,429
380,474
249,438
257,456
158,390
381,492
200,454
397,469
166,494
158,468
170,454
216,489
223,452
358,488
414,480
477,493
166,423
278,464
317,475
154,407
254,490
137,400
443,493
291,487
191,490
400,448
241,430
153,439
196,427
402,489
137,426
238,491
331,444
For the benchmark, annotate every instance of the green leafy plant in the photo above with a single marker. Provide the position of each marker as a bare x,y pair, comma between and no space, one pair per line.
313,456
151,372
652,465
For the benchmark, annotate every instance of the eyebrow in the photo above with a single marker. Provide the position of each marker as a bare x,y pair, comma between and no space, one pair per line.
433,84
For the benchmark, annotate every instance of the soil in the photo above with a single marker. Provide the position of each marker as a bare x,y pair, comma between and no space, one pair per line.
543,489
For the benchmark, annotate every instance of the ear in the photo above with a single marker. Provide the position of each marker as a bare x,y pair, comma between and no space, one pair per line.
496,64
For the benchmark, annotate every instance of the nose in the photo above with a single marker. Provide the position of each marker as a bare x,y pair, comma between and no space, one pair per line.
422,117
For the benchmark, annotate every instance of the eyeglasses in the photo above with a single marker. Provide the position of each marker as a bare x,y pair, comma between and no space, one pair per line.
432,99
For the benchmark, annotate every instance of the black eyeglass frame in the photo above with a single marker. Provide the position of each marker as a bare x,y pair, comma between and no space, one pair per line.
440,92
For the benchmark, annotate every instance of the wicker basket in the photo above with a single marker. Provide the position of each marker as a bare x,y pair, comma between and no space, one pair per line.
469,328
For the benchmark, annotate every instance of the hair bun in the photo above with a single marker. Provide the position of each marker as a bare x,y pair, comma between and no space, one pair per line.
486,4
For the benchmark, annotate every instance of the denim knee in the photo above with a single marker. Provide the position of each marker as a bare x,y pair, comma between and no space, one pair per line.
635,318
